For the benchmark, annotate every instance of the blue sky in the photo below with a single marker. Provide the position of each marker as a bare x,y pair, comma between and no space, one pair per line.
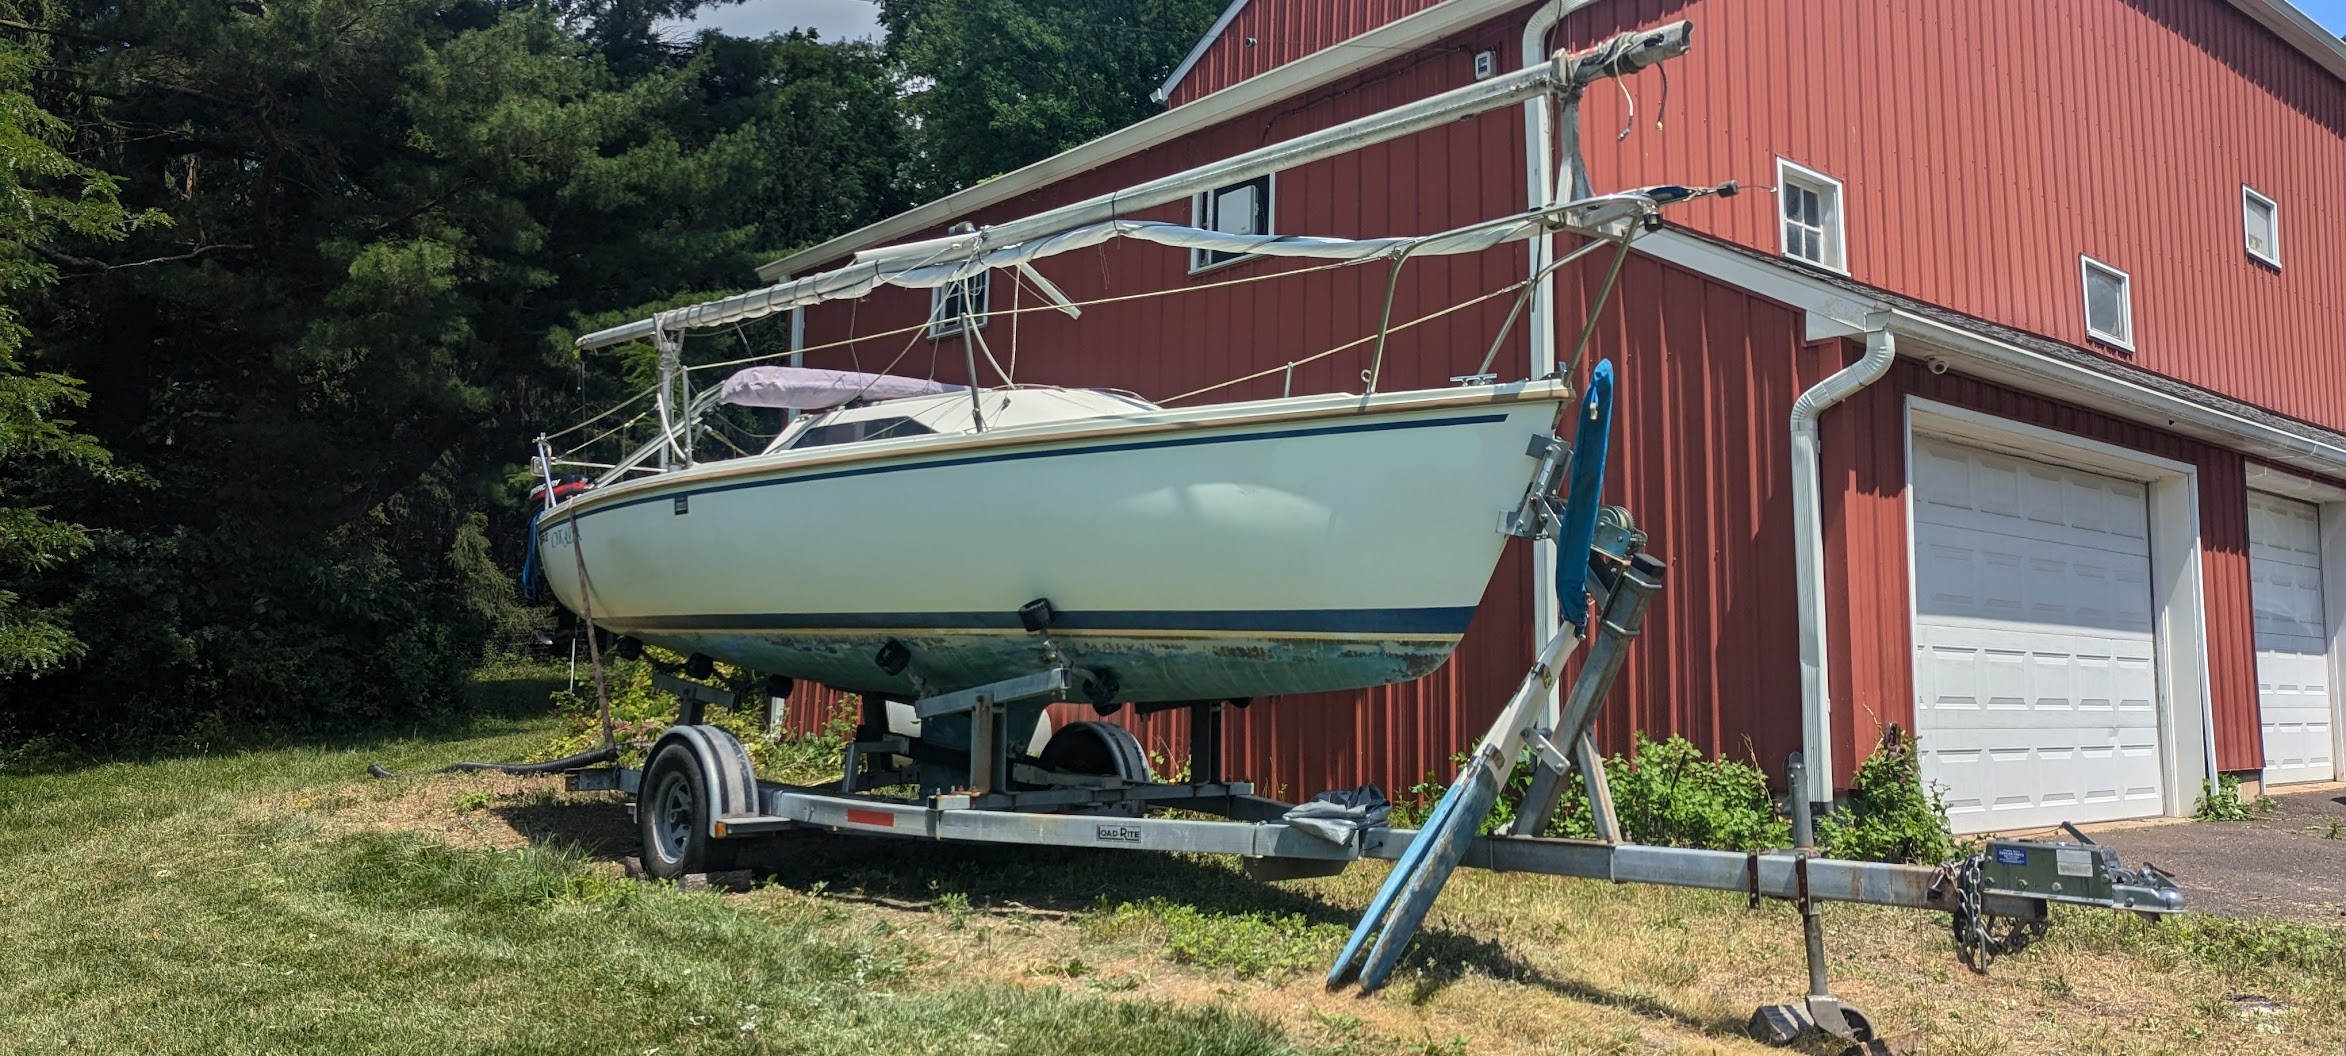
837,19
2331,13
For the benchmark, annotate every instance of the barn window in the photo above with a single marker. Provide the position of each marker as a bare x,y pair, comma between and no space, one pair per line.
2260,219
2109,303
1239,209
1813,229
948,305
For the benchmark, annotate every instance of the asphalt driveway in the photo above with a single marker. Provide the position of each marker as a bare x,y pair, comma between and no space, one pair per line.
2287,863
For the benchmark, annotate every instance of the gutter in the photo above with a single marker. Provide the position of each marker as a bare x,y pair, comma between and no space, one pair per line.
1816,701
2154,407
2298,31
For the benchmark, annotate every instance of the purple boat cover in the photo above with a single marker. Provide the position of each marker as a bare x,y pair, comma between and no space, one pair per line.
815,389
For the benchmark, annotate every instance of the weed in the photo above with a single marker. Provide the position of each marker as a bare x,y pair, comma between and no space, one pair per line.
1455,1045
1890,816
955,906
1343,1025
472,801
2336,831
639,712
2222,802
1246,944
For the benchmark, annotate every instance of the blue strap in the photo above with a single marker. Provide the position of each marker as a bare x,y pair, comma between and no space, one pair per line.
1591,440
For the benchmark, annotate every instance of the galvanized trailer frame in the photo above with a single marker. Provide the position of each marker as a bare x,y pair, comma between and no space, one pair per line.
2011,883
697,793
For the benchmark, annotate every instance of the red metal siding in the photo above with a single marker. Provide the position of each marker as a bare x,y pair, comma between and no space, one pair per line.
1271,33
1709,370
1984,144
1865,457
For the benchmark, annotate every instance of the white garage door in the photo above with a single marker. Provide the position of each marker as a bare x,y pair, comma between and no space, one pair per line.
2292,652
2034,680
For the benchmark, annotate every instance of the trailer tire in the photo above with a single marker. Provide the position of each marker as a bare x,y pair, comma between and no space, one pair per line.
674,810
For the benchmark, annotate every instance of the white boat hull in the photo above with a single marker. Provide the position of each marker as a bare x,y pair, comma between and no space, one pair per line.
1287,546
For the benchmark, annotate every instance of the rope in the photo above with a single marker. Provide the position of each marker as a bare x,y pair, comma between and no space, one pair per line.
586,615
604,435
615,409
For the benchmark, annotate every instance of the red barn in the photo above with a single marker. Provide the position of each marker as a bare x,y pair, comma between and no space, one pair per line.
2078,272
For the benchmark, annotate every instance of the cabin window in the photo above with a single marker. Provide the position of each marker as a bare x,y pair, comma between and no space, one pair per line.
1813,228
854,432
1239,209
2109,303
950,304
2260,221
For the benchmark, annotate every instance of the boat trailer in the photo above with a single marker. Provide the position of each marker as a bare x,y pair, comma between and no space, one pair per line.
697,799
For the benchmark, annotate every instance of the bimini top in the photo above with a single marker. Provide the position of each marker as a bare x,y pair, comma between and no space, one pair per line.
814,389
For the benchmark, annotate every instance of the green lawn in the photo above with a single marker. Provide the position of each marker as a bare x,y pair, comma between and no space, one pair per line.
280,901
211,905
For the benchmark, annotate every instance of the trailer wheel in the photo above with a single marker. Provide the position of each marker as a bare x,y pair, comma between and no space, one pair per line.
674,810
1098,748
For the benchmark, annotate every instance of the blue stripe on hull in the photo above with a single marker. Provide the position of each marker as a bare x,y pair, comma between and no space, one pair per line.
1428,621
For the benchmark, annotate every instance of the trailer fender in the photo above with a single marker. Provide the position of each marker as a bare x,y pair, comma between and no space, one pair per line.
725,770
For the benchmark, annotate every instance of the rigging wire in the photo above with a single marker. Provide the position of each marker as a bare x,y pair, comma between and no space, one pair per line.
614,409
1354,343
605,434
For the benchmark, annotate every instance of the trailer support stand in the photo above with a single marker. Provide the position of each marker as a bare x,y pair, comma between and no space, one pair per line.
1820,1012
1205,743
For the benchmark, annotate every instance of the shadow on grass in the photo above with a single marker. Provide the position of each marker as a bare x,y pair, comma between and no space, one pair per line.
498,700
1005,882
596,827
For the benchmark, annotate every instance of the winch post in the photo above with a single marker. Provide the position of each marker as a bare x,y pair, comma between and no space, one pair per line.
1625,604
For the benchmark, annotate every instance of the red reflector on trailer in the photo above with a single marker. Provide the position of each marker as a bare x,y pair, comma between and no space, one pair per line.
882,818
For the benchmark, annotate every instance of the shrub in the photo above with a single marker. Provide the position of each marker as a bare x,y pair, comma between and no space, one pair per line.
1664,792
2222,802
640,713
1890,816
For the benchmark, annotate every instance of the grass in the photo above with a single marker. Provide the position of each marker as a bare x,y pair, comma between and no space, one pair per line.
279,901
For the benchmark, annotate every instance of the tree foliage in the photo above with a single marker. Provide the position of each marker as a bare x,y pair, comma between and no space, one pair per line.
1006,82
46,196
317,262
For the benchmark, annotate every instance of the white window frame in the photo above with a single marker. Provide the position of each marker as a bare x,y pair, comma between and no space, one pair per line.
2085,269
1833,237
943,326
1204,259
2249,197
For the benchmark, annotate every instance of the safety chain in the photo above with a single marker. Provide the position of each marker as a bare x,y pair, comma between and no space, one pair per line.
1980,936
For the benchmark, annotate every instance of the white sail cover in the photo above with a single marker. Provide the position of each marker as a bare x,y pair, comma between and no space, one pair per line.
941,262
814,389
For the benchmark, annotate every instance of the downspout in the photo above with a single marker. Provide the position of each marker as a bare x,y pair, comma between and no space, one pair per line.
1816,702
1540,190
